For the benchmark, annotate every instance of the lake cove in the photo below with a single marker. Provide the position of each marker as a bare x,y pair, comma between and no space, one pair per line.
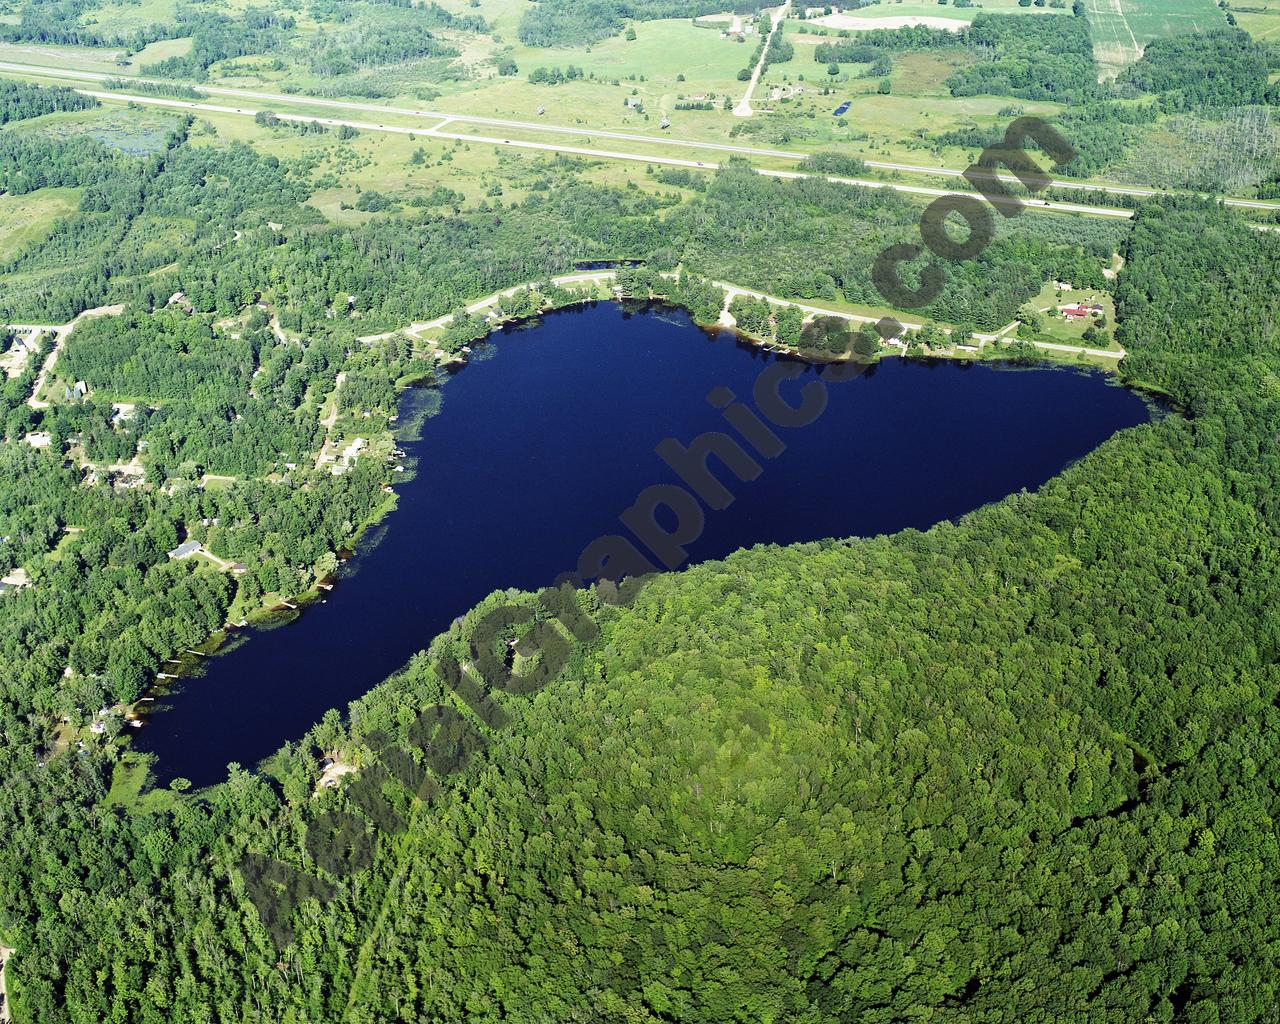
549,435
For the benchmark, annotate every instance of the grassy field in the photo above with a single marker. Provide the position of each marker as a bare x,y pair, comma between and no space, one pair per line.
1260,18
155,52
84,58
1121,28
128,778
27,219
386,164
660,51
120,18
650,65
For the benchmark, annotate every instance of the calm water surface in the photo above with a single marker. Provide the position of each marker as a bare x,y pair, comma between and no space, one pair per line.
549,435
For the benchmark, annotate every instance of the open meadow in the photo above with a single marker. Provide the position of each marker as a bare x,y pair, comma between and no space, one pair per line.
29,218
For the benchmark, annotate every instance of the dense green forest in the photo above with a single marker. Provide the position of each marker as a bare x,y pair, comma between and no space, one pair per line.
1032,58
871,44
132,241
1225,67
1020,766
1101,132
243,307
1023,764
19,101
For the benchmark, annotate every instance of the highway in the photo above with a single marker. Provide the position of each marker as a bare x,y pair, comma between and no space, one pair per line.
666,139
437,131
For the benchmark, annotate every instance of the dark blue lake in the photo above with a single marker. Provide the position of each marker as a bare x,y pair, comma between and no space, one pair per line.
549,435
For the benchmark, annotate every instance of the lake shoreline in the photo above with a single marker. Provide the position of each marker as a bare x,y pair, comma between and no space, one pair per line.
286,610
455,545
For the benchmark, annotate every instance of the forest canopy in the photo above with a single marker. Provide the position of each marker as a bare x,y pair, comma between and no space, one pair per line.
1020,764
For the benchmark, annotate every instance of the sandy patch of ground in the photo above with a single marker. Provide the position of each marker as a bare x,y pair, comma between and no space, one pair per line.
330,776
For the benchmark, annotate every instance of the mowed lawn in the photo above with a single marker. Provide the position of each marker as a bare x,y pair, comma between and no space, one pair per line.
1121,28
29,218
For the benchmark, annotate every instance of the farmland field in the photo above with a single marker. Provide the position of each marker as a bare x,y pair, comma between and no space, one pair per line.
1260,19
1121,28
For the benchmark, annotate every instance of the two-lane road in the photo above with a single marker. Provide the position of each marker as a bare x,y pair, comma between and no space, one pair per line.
249,101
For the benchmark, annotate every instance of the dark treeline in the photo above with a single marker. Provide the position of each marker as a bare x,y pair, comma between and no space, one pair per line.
1032,58
371,46
1222,68
30,161
1022,765
176,89
837,164
216,37
18,100
581,22
426,15
870,45
554,76
1101,132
